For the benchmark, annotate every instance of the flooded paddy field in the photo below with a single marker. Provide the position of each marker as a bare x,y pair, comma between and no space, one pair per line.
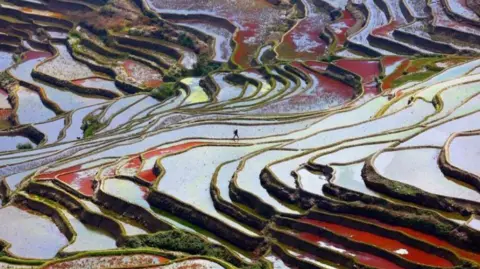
239,134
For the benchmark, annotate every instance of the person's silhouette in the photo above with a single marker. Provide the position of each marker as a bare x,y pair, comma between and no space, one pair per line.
235,135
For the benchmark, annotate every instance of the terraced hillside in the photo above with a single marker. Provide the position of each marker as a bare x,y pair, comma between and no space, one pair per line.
358,134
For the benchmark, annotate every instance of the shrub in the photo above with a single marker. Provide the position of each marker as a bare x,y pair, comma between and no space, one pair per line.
165,91
24,146
90,125
189,243
204,66
186,41
74,34
179,241
17,58
205,69
5,79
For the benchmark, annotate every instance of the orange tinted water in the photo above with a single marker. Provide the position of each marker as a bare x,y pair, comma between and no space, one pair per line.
52,175
386,30
427,238
145,192
363,257
411,253
82,81
153,83
342,26
5,114
133,163
81,181
327,85
26,9
389,60
42,13
414,68
303,42
245,49
368,70
79,82
388,81
31,55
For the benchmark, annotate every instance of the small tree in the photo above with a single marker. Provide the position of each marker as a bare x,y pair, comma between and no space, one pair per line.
90,125
165,91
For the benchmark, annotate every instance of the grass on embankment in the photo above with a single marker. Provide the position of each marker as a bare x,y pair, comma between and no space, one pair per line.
189,243
413,77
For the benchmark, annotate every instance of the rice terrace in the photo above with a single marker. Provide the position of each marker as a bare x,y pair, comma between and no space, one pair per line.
252,134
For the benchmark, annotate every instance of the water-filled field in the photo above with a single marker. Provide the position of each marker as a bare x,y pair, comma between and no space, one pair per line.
264,134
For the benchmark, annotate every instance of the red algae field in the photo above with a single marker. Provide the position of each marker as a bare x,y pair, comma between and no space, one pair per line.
267,134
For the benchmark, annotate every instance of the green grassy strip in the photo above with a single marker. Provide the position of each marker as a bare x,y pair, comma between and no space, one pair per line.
15,261
186,242
413,77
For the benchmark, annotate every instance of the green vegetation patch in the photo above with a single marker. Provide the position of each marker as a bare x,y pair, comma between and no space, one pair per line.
6,79
185,41
413,77
24,146
165,91
186,242
425,61
330,58
21,262
91,124
202,68
421,68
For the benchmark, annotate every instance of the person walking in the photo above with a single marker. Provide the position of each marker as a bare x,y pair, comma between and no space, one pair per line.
235,135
